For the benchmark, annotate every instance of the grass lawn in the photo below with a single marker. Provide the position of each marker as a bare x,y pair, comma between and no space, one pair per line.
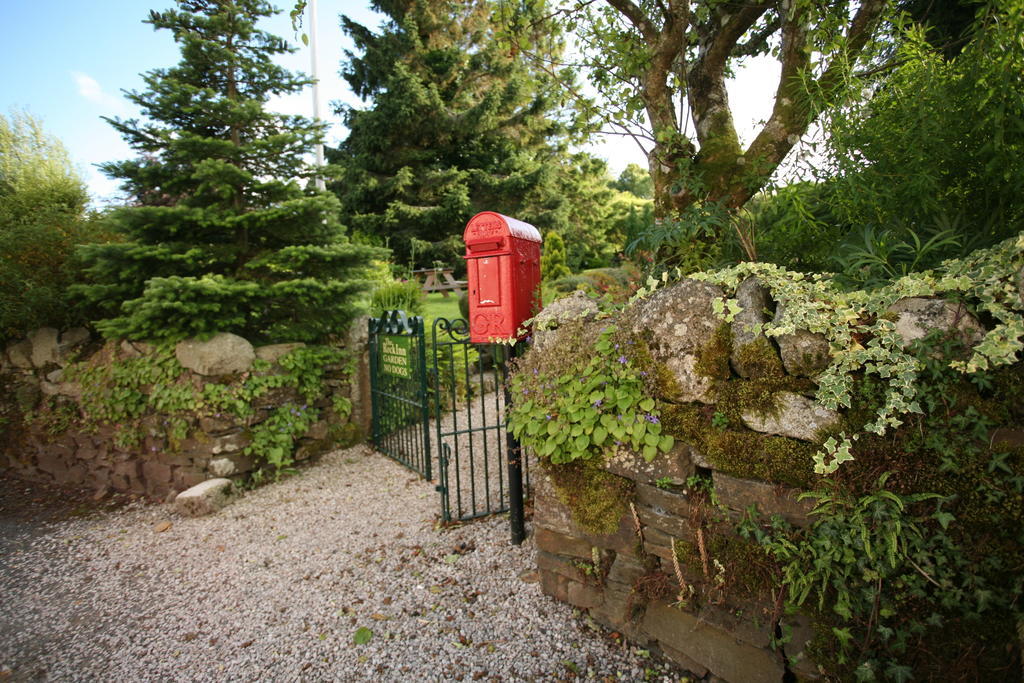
437,306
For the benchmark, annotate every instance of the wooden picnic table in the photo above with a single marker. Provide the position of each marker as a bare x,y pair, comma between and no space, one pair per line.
438,280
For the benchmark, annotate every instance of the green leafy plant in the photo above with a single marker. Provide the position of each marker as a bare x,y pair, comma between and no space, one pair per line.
123,392
592,407
398,296
273,440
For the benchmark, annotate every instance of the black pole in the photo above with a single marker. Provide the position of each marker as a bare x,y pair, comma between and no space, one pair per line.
514,455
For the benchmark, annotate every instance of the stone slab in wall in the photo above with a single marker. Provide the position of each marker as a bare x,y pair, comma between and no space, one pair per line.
768,499
712,647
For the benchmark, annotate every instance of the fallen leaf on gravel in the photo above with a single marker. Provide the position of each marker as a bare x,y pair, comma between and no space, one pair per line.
246,644
162,526
362,636
451,559
379,617
529,576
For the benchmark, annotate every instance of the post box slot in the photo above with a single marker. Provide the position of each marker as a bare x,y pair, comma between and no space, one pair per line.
483,246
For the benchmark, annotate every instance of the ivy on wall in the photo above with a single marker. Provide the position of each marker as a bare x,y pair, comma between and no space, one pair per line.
152,393
912,562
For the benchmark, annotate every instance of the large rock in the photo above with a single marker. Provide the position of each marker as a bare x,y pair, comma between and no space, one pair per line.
70,342
272,352
919,316
44,346
804,354
223,354
20,354
678,323
752,353
576,306
204,499
795,416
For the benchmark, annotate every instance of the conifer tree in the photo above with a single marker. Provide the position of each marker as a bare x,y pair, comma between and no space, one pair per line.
457,124
221,235
553,264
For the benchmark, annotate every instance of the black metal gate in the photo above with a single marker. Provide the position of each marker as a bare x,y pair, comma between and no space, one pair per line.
398,388
469,404
439,409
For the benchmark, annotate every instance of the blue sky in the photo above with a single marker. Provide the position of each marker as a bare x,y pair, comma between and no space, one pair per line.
67,61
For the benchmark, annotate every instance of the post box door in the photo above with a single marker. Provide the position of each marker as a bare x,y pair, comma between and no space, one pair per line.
488,280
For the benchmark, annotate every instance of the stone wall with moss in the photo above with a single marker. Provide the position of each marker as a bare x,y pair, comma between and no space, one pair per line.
132,417
798,513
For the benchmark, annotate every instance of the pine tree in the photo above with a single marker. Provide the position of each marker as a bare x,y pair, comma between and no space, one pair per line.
220,234
553,264
458,124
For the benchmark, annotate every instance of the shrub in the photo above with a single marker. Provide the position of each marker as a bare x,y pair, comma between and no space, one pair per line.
220,235
617,283
402,296
42,219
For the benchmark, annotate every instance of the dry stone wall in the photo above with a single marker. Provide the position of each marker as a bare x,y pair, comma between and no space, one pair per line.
49,435
664,578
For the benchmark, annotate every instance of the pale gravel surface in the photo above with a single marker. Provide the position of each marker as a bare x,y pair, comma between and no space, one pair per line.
274,586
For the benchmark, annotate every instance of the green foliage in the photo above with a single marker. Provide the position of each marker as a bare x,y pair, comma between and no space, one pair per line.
924,552
596,499
220,236
684,239
632,54
397,296
615,284
456,124
553,262
42,220
131,393
273,440
590,404
864,339
928,166
635,180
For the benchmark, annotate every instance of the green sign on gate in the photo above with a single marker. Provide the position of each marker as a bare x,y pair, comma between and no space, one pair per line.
396,356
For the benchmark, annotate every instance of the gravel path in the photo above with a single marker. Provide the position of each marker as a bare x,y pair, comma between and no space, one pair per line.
275,587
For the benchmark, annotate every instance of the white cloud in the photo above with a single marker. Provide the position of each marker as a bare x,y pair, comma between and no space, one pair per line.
90,89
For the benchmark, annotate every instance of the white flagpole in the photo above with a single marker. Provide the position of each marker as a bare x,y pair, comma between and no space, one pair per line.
316,89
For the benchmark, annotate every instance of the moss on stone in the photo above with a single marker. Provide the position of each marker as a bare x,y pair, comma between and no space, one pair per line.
713,358
745,571
596,499
750,455
658,379
760,359
741,453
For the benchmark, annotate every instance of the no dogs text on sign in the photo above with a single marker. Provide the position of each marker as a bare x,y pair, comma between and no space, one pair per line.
395,356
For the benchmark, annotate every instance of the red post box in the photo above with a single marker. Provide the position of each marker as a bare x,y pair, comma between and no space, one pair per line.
503,263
